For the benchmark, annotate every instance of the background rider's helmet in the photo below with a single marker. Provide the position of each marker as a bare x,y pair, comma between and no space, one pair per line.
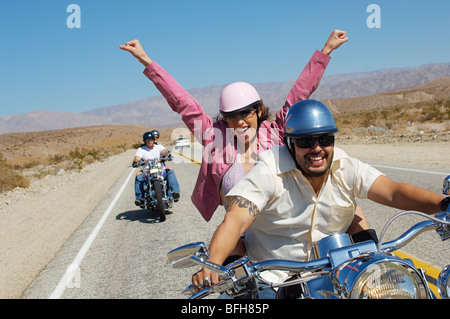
446,187
237,97
148,136
155,133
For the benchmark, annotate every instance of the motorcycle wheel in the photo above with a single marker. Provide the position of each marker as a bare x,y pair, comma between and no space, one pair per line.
159,199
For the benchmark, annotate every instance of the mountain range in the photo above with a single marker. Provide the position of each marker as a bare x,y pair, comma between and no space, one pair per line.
341,90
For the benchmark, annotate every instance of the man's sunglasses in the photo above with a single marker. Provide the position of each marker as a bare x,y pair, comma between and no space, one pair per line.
310,141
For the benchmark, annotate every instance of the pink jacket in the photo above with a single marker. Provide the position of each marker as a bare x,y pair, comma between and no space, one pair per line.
220,153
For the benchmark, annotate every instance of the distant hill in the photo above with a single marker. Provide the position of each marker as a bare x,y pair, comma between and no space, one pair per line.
154,111
29,147
438,89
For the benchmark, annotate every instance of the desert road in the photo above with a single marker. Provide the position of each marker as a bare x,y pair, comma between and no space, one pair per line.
119,251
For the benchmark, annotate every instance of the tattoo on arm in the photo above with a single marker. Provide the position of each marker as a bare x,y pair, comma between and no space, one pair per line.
245,203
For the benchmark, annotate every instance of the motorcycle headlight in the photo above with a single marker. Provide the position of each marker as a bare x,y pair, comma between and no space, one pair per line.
378,276
153,171
386,281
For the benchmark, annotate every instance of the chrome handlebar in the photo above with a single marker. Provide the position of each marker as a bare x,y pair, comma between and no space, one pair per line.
440,222
237,274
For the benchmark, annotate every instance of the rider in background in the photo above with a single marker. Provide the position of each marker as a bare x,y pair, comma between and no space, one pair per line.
150,150
156,135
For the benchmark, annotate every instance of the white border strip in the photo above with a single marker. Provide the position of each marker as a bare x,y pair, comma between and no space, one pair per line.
74,266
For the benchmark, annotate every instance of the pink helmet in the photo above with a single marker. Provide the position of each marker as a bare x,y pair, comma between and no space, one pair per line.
238,96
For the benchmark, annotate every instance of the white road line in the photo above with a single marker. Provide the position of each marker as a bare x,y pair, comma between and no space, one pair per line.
412,170
74,266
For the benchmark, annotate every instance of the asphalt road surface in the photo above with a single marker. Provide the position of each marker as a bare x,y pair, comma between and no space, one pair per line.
120,250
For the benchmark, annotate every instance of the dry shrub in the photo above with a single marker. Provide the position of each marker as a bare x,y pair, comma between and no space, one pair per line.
10,178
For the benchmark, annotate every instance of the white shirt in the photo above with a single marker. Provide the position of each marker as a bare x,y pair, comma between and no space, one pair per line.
148,154
291,216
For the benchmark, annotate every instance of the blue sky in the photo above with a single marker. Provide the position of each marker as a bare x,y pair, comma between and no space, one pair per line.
44,65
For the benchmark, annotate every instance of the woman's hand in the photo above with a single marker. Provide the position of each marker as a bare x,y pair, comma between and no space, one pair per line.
136,49
335,40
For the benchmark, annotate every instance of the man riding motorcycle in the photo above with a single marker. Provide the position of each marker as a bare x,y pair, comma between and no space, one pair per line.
151,150
302,192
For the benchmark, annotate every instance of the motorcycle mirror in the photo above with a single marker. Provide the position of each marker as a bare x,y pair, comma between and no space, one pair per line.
446,186
181,257
443,283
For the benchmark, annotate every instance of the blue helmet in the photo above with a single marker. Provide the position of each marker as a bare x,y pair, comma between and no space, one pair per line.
309,117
